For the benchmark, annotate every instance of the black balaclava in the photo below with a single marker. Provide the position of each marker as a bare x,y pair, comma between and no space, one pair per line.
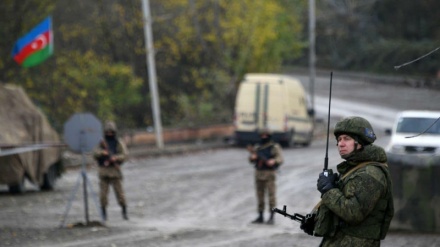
265,139
111,141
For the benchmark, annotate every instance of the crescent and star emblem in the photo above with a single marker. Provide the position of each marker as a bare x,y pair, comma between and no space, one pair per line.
40,42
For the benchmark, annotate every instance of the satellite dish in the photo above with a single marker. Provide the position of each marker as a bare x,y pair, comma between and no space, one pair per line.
82,132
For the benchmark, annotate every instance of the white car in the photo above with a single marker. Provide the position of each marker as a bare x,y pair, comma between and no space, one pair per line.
416,132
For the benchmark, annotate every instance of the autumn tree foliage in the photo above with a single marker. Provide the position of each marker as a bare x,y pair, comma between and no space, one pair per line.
202,50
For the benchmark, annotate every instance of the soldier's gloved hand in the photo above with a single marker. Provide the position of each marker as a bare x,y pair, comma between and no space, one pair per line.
326,183
308,225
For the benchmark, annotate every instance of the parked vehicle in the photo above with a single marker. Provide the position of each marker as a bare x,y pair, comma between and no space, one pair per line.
28,144
415,132
275,102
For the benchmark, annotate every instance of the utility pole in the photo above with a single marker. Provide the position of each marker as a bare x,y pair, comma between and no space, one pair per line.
152,72
312,55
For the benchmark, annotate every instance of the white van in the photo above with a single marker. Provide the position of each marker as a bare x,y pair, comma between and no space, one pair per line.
407,137
275,102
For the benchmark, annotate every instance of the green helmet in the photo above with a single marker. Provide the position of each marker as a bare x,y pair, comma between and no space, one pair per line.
357,126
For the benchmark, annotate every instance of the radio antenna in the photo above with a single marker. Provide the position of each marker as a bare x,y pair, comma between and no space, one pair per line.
328,123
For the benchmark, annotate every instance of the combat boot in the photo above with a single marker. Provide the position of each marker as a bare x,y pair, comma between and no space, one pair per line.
104,213
124,213
271,220
258,220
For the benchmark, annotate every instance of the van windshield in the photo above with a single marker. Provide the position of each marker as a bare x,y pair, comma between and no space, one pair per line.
418,125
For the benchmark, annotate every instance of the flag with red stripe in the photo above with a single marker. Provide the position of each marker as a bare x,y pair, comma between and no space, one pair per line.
36,46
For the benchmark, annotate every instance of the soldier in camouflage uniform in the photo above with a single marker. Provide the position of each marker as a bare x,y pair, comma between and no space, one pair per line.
357,206
110,156
267,157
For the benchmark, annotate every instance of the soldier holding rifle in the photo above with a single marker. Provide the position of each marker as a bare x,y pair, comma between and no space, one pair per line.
267,157
356,206
110,155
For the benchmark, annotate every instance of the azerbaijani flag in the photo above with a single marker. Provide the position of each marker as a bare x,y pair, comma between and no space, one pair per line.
36,46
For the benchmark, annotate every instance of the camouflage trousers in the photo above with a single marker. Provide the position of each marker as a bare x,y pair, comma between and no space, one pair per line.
265,181
104,184
343,240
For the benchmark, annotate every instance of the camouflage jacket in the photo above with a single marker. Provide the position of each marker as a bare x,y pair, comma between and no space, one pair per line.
110,169
361,205
267,151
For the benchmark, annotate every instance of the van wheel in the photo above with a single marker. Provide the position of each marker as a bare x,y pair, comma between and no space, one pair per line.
49,179
17,188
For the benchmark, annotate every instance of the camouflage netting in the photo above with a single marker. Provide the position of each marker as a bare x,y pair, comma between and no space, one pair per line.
23,123
416,192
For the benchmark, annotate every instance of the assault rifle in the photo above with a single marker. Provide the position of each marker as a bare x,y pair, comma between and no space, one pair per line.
262,158
307,221
106,159
297,217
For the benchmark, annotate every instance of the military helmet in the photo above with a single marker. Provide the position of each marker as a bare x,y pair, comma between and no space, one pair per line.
110,126
357,126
